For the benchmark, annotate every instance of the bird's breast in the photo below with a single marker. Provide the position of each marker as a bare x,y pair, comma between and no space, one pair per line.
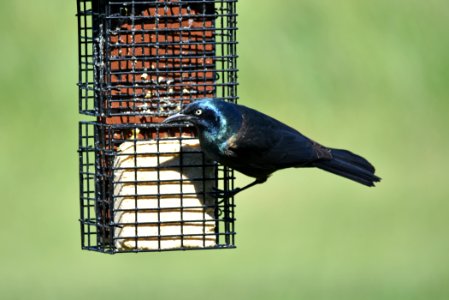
211,146
217,147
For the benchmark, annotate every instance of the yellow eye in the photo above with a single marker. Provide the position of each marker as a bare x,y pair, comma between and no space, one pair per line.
198,112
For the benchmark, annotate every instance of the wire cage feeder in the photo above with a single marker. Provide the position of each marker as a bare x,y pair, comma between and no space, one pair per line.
144,185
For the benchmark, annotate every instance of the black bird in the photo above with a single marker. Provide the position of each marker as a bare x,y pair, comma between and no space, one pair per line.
257,145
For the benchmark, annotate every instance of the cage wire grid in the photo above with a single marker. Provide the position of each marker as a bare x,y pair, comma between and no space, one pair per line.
144,185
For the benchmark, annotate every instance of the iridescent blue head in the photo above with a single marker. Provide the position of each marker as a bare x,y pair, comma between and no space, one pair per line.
211,115
216,120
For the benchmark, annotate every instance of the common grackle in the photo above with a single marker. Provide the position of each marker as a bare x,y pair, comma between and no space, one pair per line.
257,145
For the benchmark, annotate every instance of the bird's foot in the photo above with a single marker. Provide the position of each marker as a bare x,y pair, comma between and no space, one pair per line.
221,194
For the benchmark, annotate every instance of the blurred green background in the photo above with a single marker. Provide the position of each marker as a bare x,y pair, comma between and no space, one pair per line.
370,76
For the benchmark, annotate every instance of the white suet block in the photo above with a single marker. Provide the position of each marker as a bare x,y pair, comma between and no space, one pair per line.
138,181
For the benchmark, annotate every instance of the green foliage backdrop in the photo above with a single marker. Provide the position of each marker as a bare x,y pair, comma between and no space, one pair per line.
371,76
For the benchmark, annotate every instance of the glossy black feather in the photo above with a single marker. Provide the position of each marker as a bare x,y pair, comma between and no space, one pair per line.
263,145
257,145
351,166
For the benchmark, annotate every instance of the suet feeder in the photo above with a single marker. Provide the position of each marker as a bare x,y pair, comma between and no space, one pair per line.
144,185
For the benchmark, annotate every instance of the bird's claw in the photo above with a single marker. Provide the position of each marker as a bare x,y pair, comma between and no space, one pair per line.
221,194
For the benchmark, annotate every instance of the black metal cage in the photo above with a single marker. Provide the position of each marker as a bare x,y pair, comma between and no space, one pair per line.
144,185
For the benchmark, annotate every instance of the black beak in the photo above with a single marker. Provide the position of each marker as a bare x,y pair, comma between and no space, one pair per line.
179,118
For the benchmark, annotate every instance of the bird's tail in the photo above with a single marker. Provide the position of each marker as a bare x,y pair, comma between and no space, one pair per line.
351,166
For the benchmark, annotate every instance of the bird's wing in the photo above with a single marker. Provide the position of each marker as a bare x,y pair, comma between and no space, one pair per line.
265,143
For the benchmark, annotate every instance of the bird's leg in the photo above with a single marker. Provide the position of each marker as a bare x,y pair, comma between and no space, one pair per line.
226,194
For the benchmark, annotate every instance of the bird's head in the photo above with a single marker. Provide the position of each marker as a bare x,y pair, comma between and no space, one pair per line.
206,114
